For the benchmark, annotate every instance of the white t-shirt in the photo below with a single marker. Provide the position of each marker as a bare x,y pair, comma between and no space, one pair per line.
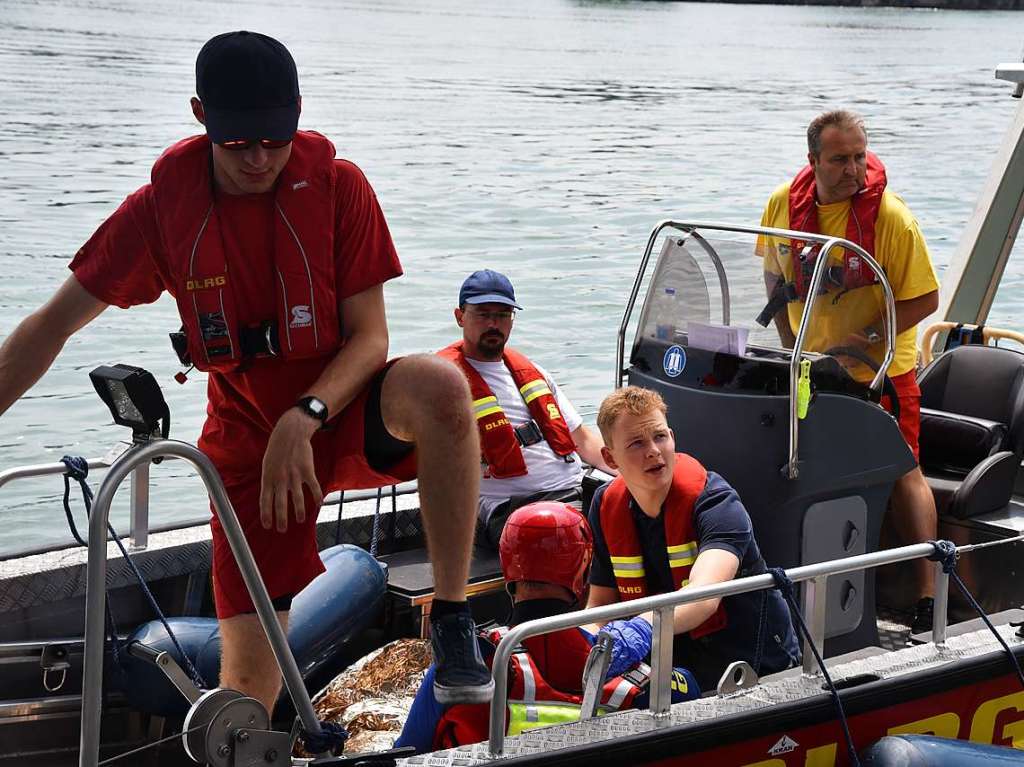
545,470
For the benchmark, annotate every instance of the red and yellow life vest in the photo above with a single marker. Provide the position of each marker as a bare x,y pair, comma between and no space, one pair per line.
498,442
532,700
307,322
619,529
860,226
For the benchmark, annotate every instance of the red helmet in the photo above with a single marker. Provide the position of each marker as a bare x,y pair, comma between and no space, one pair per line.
547,542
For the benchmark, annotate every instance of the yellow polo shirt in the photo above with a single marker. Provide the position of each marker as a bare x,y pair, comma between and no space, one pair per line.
900,250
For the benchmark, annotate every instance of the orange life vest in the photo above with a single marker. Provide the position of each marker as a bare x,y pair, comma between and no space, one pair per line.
532,700
307,322
620,535
860,226
498,442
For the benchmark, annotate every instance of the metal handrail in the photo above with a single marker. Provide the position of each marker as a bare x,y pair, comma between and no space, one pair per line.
96,595
814,605
792,465
138,530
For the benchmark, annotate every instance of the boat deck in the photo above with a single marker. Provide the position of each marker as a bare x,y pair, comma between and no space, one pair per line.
779,689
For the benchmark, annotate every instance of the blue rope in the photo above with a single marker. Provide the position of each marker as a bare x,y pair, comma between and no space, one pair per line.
945,553
78,470
785,585
331,739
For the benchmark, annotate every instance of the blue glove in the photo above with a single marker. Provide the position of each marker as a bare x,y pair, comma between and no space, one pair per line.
632,643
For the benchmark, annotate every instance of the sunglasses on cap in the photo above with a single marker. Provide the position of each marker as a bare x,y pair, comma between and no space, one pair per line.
240,145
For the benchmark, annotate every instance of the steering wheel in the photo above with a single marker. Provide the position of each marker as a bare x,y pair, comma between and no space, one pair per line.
888,387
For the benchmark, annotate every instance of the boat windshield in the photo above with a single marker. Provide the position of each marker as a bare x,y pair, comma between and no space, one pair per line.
733,291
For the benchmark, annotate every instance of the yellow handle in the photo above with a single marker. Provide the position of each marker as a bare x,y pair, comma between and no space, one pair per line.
803,389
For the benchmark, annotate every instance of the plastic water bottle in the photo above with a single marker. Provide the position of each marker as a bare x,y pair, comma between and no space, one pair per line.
666,315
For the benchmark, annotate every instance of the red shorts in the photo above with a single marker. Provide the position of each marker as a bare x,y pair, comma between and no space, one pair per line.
288,561
908,393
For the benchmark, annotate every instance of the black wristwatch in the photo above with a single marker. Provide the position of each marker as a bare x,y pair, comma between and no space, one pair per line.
314,408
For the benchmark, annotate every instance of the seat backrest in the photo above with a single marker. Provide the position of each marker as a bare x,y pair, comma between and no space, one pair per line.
979,381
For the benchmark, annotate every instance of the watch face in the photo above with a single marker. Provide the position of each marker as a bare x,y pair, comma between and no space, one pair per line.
314,407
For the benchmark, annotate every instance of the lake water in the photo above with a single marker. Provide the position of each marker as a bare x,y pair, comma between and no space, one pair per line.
543,139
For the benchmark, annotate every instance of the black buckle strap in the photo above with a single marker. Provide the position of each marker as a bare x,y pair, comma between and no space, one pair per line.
528,433
260,340
256,341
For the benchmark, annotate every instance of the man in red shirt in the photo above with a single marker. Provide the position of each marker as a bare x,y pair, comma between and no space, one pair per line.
276,253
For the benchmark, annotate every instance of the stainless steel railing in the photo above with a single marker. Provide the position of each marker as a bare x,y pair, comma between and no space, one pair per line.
813,607
828,243
139,527
96,594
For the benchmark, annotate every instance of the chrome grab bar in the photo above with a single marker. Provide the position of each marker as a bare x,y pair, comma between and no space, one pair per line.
661,651
792,465
96,595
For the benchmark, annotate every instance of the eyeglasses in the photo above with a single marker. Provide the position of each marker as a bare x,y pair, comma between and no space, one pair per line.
503,315
240,145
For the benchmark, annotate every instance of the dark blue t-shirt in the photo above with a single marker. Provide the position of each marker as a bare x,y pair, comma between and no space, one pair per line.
720,522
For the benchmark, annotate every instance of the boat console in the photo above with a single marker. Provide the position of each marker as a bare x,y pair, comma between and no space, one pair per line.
797,432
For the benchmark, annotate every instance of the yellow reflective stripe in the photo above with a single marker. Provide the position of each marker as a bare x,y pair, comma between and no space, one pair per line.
540,393
547,714
629,573
529,386
485,406
628,567
534,389
683,555
688,546
616,560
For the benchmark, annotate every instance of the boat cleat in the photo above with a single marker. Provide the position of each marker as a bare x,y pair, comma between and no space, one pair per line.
737,677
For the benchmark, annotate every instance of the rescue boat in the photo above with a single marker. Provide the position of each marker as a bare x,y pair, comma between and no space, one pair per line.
92,674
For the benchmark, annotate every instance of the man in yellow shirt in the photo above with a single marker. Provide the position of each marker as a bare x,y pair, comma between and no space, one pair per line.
842,192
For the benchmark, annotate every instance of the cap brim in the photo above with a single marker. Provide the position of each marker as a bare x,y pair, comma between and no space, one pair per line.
275,123
492,298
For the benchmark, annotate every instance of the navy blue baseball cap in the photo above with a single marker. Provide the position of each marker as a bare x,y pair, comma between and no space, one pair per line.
487,287
249,88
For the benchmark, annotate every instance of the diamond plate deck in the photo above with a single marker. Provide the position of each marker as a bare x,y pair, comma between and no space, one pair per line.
783,688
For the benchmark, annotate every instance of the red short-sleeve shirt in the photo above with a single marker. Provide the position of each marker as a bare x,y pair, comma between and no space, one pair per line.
125,264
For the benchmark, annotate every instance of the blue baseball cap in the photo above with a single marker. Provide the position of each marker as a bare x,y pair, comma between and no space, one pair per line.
487,287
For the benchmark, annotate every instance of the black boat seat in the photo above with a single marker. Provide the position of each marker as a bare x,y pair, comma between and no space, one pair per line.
411,583
972,428
333,609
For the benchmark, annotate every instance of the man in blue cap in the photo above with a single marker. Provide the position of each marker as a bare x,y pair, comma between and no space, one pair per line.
267,243
531,437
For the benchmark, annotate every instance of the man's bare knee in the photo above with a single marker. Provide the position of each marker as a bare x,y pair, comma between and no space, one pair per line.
423,391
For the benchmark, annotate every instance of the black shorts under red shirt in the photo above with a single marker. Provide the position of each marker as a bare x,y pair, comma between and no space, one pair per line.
124,263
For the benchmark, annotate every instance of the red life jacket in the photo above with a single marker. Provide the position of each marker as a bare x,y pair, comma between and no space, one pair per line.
307,322
860,226
498,441
532,700
688,481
